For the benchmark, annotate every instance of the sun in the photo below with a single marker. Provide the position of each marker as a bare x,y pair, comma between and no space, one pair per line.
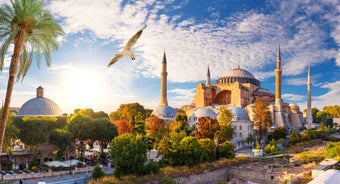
83,86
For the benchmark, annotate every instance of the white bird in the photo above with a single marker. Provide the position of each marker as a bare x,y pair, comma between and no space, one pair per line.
127,49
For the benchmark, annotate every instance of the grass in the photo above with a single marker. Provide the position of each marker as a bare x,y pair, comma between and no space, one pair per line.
173,172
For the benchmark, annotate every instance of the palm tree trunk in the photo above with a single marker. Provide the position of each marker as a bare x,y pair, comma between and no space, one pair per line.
18,45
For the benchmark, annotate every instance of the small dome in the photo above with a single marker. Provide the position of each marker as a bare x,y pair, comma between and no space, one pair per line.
239,113
199,113
165,112
39,106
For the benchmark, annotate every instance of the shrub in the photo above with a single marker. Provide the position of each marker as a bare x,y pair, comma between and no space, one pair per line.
209,148
169,148
191,151
98,172
167,180
227,150
295,138
151,167
333,150
128,154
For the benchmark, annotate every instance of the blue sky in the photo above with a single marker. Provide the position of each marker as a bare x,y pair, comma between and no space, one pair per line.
194,34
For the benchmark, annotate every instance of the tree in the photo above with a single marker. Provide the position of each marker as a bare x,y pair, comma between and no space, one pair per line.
334,111
81,129
280,132
169,147
128,154
153,124
225,116
226,130
97,173
12,131
262,119
103,131
123,127
62,139
33,32
191,151
88,112
127,112
206,127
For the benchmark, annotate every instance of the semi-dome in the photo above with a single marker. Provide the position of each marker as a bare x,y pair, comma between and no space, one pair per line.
239,114
165,112
238,75
39,106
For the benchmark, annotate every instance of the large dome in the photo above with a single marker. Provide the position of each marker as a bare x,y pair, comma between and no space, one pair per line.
238,75
165,112
39,106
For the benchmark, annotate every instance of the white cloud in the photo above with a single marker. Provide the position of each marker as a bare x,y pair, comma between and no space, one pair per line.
330,98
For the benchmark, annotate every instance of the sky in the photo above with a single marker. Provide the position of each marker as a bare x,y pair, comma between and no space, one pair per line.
194,34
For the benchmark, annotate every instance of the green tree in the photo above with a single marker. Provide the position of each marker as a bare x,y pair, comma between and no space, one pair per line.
88,112
81,130
33,32
169,148
225,116
209,149
128,154
128,111
97,173
191,151
227,150
324,118
34,130
295,137
334,111
279,132
262,119
61,138
103,131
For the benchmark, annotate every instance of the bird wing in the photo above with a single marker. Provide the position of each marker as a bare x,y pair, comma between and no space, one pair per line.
115,59
132,41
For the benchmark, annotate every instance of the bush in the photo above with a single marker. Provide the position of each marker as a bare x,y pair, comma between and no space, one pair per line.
128,154
333,150
167,180
295,138
98,172
227,150
209,149
191,151
151,167
169,148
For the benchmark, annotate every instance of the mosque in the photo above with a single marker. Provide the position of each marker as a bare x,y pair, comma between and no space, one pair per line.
236,89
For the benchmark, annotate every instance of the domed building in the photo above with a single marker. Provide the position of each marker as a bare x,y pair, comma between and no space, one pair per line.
39,106
239,88
165,112
242,125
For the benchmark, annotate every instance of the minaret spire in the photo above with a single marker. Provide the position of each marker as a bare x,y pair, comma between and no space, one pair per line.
309,117
278,73
207,82
164,73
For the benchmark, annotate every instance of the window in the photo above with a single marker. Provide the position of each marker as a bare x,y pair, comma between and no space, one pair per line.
240,127
240,134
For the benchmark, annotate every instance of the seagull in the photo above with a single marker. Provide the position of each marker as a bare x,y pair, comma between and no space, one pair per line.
127,49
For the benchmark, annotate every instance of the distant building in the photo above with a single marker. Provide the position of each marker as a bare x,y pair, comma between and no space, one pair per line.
40,106
239,88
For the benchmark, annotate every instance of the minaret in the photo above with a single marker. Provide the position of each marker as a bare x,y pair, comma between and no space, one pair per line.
207,82
164,101
278,73
309,117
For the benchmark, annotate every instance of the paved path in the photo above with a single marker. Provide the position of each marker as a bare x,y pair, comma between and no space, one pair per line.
79,178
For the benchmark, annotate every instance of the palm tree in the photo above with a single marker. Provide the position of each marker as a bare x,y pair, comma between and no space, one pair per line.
32,31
